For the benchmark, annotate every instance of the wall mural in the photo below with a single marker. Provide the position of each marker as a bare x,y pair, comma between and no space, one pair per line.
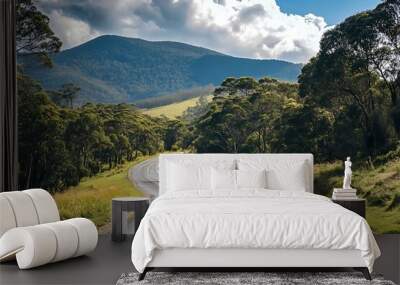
100,92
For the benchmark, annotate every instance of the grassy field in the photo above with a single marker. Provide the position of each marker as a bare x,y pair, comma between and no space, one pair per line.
380,186
92,197
172,110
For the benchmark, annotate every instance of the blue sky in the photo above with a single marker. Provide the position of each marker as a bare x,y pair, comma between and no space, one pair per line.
333,11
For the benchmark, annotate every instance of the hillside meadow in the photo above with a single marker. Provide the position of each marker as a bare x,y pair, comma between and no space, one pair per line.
380,186
91,198
174,110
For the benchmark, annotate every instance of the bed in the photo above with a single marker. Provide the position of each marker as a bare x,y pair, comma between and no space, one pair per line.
246,211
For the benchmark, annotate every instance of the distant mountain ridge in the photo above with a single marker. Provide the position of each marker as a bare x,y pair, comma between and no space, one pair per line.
114,69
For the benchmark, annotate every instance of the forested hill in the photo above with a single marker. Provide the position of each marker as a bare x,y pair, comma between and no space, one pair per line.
113,69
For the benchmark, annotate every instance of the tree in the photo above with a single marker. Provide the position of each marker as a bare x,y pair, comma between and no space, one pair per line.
82,134
240,86
242,116
304,128
33,33
352,72
264,111
68,93
387,61
201,107
384,26
174,133
44,160
225,127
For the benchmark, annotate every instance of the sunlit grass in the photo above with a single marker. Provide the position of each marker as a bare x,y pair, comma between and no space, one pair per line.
382,221
326,177
173,110
92,197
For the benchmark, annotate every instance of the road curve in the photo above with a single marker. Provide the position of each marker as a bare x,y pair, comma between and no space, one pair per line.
145,176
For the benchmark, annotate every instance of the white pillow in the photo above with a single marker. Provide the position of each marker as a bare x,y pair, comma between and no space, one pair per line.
183,177
293,180
251,178
224,179
281,174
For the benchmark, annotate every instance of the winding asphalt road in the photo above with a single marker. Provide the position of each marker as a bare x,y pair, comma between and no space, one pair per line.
145,176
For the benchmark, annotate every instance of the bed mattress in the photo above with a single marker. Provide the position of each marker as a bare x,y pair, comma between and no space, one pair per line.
250,219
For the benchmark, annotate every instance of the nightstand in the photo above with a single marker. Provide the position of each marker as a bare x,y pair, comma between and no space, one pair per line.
127,212
356,205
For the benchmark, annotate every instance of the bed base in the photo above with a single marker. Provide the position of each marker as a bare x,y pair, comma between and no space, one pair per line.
363,270
143,274
242,259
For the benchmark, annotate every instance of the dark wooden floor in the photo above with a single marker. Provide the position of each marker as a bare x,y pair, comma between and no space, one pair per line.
103,266
110,260
389,262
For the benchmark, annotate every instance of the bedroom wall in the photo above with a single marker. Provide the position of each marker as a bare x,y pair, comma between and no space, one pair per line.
97,97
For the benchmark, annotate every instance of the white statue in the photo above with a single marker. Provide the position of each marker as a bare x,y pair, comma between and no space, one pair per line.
347,174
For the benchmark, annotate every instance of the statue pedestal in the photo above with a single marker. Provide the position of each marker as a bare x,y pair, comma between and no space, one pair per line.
344,194
341,190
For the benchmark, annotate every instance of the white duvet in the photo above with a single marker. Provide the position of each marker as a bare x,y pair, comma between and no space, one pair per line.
250,218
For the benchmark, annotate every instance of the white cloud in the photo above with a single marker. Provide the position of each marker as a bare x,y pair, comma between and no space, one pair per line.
246,28
71,31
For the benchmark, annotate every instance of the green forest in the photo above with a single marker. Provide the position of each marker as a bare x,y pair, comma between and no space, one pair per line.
346,103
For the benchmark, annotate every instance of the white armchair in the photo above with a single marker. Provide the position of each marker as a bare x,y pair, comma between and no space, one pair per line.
31,230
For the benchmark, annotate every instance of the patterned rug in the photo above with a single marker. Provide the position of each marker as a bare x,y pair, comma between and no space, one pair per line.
243,278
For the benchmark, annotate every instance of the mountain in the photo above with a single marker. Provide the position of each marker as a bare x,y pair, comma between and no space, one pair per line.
112,69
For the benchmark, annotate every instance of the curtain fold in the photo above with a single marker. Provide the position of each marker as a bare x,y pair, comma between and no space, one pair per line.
8,99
